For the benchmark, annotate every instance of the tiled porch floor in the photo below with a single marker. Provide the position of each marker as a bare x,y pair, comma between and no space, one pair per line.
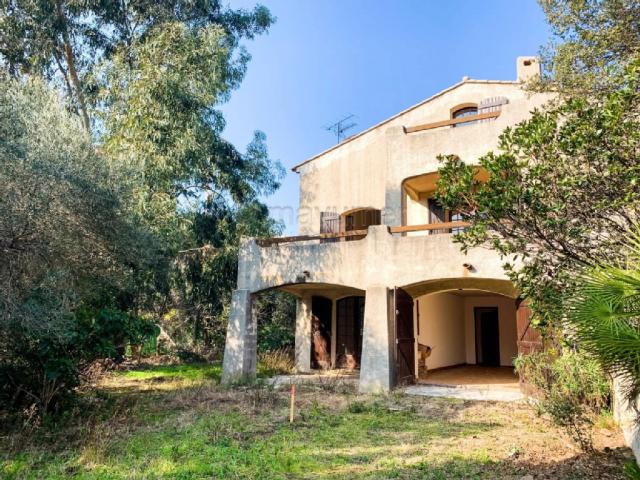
473,376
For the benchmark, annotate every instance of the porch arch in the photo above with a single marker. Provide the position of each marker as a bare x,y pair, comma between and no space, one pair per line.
491,285
464,323
240,354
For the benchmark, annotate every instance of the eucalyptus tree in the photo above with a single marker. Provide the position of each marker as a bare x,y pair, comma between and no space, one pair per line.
64,40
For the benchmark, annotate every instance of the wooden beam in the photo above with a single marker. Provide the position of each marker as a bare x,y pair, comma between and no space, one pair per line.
429,226
267,242
451,121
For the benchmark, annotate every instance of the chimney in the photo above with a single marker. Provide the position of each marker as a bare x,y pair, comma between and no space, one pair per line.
528,68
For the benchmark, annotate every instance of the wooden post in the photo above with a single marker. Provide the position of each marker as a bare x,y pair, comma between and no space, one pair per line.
293,403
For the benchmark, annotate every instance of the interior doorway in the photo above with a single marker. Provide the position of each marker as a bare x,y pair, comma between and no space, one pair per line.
487,336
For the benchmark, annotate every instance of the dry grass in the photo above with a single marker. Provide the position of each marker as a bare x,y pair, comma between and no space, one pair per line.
277,362
147,425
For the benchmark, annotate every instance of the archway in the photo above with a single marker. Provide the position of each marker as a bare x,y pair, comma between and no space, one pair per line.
419,205
465,332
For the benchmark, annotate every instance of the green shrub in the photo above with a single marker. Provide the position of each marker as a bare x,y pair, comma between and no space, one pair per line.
632,470
570,387
42,367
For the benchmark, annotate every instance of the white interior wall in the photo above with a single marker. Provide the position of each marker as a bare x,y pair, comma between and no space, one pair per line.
506,325
442,327
417,213
447,325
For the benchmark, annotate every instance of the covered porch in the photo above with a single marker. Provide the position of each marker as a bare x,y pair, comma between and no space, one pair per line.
465,336
348,299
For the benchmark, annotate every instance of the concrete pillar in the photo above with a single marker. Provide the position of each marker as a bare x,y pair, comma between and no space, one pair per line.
303,334
377,365
240,350
626,415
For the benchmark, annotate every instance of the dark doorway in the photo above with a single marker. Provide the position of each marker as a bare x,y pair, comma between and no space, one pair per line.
487,336
321,332
349,323
405,338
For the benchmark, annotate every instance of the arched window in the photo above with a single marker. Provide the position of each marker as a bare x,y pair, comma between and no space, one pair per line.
359,219
465,110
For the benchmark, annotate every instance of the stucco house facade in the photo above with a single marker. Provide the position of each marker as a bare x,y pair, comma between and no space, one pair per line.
381,286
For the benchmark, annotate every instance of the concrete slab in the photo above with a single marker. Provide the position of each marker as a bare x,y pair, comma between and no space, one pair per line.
330,377
466,393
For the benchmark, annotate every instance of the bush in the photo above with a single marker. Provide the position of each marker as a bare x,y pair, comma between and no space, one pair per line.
276,313
41,367
570,387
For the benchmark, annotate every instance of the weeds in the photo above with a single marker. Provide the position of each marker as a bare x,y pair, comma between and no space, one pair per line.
277,362
571,388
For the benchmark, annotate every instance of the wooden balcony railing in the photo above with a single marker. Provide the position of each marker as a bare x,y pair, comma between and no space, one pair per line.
429,227
444,227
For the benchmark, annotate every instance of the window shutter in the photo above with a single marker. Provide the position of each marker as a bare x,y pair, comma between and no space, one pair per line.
492,104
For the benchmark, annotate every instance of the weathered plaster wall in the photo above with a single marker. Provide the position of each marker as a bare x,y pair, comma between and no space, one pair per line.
368,170
626,415
379,258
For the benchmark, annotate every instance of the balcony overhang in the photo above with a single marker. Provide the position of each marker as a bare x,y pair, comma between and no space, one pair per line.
424,185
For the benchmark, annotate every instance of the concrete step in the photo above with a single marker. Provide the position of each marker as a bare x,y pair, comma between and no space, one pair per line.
493,394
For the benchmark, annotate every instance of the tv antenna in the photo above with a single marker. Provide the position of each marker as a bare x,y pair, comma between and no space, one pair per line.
341,126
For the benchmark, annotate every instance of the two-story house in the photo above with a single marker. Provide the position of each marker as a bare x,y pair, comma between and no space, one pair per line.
376,273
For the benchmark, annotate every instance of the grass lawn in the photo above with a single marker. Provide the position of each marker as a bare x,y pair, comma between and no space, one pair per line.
176,422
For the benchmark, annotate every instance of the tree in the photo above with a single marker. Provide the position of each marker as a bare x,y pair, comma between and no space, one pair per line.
593,42
203,278
160,117
158,114
68,238
64,40
562,191
148,79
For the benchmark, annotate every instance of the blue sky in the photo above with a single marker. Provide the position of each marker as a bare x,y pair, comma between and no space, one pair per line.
324,59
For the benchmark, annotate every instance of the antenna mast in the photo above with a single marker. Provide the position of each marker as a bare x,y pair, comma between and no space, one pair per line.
341,126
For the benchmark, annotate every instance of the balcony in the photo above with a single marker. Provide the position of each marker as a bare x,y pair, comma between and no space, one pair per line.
380,255
433,228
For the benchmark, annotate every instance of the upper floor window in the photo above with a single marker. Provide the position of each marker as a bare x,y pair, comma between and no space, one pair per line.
469,110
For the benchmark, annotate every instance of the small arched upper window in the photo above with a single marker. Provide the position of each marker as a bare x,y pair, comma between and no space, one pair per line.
468,110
